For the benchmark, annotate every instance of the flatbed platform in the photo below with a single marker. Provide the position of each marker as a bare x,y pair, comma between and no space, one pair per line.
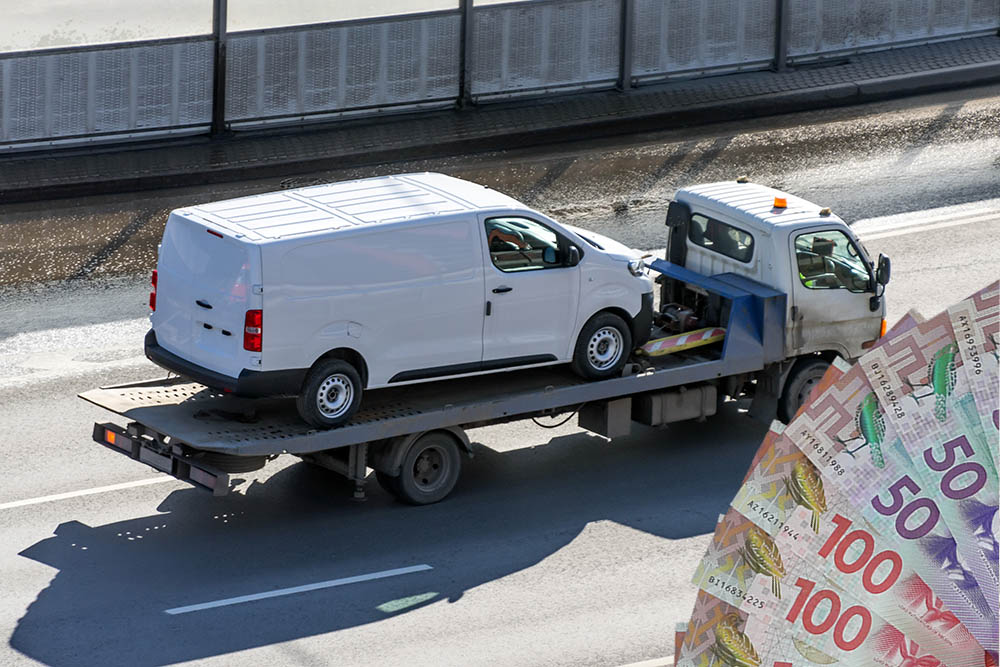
209,420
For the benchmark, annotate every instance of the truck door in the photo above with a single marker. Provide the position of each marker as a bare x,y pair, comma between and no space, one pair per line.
832,284
532,295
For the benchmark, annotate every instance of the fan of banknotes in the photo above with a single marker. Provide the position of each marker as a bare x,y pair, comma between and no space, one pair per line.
865,531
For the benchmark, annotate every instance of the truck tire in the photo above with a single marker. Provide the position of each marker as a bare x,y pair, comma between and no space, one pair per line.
801,380
429,471
330,395
603,347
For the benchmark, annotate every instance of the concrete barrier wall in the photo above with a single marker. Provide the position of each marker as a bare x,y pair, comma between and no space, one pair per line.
475,53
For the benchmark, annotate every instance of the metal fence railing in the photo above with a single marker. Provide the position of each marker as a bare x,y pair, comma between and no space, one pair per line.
828,27
342,67
545,44
92,92
472,53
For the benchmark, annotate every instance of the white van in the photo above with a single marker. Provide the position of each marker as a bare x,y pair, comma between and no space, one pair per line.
327,291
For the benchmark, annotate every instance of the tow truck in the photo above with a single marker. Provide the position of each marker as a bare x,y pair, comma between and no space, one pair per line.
759,291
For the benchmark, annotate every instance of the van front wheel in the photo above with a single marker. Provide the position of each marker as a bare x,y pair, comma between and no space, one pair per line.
330,395
603,347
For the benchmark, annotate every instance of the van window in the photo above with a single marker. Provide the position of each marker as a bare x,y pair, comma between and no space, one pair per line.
520,244
829,260
720,237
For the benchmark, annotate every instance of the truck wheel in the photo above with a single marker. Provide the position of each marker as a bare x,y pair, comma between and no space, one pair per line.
802,379
330,395
429,470
603,347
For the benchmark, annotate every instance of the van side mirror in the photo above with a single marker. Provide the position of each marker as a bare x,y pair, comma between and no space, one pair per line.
573,256
884,270
549,255
678,214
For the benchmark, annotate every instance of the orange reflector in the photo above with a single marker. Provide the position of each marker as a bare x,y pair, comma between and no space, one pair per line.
780,202
109,435
881,332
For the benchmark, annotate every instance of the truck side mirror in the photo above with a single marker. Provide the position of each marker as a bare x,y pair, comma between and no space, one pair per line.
573,256
678,214
884,270
549,255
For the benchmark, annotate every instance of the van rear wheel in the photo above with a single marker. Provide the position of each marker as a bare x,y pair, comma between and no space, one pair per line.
330,395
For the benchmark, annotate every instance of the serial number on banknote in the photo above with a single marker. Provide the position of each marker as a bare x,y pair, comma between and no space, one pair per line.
975,363
826,455
736,592
764,513
881,383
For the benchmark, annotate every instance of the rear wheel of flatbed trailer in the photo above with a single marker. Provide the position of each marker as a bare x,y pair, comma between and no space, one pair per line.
430,468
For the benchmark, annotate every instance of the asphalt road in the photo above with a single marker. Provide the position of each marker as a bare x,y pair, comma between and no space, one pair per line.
557,547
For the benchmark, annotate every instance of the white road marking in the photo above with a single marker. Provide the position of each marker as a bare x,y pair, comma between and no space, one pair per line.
299,589
927,226
655,662
85,492
936,218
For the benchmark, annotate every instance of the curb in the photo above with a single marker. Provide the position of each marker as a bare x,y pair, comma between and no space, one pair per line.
735,109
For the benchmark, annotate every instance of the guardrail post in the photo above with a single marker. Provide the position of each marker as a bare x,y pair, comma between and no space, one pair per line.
465,55
219,68
625,41
782,14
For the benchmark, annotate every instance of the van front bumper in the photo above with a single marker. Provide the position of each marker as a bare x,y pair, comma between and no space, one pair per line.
253,384
642,323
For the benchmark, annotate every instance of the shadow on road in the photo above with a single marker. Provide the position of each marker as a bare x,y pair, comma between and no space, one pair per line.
106,604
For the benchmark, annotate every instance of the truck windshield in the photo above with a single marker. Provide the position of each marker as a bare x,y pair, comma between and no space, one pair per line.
830,260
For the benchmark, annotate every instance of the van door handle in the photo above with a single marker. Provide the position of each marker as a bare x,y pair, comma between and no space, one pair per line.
502,289
204,304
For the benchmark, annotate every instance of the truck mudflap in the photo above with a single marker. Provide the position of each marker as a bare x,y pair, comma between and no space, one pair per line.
137,444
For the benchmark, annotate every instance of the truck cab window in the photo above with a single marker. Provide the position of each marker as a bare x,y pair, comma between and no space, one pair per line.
519,244
720,237
830,260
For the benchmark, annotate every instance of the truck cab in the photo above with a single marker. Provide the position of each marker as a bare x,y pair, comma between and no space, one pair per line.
834,290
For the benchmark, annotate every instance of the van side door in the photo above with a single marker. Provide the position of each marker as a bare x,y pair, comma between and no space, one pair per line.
832,284
531,293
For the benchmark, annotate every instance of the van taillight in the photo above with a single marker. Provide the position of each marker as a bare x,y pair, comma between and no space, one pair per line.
253,329
152,295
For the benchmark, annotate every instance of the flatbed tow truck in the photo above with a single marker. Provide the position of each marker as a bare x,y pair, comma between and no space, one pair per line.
413,436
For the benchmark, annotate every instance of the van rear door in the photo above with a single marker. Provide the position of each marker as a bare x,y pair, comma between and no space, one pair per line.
204,290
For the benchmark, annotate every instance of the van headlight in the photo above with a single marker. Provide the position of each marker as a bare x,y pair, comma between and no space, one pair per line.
636,267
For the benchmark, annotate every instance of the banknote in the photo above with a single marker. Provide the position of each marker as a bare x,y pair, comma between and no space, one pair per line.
809,518
976,323
787,603
922,375
847,436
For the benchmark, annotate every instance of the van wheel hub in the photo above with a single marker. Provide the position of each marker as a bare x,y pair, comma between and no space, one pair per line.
335,395
604,348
